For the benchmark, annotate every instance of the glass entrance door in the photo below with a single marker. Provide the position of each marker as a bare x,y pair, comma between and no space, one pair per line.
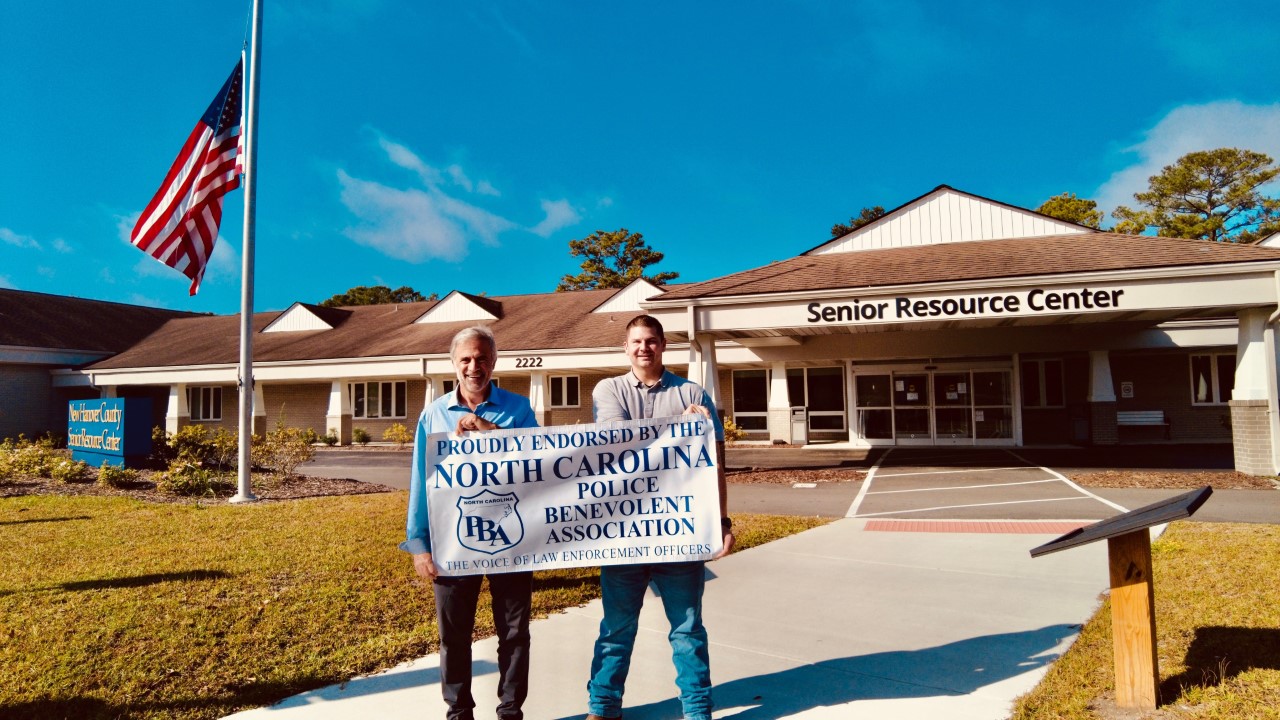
911,407
951,406
934,407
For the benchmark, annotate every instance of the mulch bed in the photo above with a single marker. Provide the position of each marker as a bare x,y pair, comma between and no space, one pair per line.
265,488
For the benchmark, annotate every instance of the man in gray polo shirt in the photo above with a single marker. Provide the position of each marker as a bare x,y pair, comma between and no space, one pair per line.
648,391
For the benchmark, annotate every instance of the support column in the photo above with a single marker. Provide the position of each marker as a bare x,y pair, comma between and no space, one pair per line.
538,395
707,369
779,404
1102,400
109,391
1253,397
259,411
338,419
178,415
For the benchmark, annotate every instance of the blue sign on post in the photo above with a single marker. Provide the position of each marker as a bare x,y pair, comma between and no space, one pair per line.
109,431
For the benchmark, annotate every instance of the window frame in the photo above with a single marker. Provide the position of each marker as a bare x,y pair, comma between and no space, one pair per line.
1042,384
750,415
563,382
843,413
1215,380
202,410
394,391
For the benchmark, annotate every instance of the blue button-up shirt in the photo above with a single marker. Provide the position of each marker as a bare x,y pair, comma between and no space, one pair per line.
502,408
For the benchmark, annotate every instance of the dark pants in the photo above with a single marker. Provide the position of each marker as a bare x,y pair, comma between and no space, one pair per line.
456,599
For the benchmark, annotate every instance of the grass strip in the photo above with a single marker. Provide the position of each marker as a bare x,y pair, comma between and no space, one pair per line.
114,607
1217,592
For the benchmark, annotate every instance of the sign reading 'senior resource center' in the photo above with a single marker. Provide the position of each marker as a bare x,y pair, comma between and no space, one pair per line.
1029,302
620,493
109,431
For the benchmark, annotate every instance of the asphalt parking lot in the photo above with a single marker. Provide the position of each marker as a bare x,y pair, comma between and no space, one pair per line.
1024,484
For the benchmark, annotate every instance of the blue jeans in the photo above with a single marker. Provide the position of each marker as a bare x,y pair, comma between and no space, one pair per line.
622,590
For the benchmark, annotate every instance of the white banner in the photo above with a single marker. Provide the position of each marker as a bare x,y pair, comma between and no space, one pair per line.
619,493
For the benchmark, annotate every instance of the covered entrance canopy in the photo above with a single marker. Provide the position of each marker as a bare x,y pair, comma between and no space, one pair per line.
940,313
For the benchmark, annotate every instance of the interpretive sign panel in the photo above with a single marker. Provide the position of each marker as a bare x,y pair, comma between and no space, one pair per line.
619,493
109,431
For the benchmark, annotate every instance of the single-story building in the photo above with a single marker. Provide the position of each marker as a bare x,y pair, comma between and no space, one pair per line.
41,333
952,320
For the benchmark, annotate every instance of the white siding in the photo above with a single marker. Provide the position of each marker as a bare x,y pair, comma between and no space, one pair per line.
297,318
628,298
455,308
947,216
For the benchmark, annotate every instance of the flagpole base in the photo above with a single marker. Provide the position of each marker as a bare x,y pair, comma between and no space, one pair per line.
243,498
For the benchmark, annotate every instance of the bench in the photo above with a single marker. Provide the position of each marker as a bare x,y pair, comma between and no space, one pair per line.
1143,418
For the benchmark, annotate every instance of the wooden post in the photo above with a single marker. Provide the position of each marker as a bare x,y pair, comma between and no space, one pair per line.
1133,620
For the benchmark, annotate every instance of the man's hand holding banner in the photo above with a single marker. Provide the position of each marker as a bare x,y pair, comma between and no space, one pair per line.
618,493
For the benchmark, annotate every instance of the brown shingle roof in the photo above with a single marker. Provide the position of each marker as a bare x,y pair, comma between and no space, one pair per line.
1017,257
527,322
37,320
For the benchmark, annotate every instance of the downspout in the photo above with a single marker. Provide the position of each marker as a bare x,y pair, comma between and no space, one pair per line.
1273,401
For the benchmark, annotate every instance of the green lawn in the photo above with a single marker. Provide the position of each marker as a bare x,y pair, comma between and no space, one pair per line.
120,608
1217,590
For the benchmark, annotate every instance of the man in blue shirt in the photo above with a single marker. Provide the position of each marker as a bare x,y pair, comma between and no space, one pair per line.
474,405
648,391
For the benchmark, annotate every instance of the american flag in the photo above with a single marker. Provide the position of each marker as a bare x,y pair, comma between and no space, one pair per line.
180,224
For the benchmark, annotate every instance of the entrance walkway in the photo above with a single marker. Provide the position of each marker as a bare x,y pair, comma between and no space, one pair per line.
846,621
836,622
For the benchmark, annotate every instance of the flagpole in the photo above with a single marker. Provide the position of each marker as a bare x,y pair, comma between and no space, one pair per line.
244,490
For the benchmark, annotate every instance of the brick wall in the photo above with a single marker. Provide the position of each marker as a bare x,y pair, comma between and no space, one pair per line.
301,406
1252,428
26,401
1162,381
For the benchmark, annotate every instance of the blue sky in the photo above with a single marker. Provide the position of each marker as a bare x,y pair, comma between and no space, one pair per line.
461,145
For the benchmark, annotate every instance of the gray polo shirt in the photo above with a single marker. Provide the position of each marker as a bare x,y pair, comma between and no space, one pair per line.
627,398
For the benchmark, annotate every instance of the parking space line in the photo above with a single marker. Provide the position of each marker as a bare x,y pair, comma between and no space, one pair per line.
866,485
952,472
957,507
1067,480
964,487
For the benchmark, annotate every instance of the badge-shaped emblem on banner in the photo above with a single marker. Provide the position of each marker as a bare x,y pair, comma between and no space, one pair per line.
489,522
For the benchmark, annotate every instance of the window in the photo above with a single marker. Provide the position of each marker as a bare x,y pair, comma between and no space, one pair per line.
205,403
564,391
1212,377
1042,384
750,400
822,391
378,399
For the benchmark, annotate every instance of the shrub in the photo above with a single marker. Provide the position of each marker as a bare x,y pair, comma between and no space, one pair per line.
224,449
189,479
331,438
161,453
310,436
732,433
116,476
28,459
360,435
397,434
192,444
67,470
284,449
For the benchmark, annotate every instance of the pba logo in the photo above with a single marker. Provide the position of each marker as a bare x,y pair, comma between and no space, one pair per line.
489,522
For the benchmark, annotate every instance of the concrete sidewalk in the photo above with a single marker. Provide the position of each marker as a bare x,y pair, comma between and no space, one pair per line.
837,622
